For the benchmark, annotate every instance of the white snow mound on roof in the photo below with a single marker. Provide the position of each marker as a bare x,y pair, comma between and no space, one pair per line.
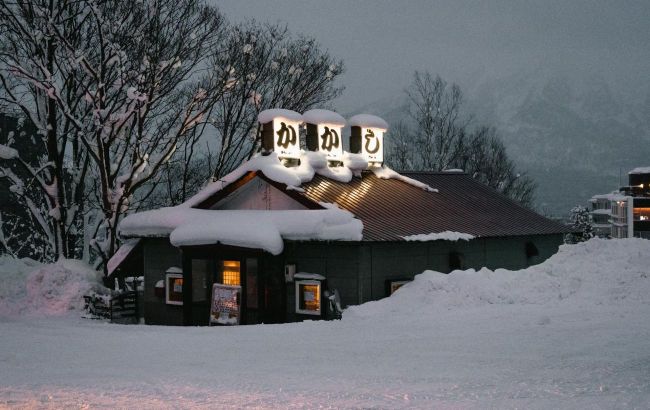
368,120
596,272
385,172
640,170
250,229
319,116
269,115
446,236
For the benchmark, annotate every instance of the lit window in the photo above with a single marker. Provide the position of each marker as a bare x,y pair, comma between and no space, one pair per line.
174,289
308,297
231,272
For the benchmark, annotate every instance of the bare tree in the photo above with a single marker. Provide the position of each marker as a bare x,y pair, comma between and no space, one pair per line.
435,107
441,138
33,83
484,157
266,68
114,87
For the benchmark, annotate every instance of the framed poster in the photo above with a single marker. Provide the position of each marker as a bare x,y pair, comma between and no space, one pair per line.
225,307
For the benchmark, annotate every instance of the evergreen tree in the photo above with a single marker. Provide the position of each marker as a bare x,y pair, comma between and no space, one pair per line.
581,224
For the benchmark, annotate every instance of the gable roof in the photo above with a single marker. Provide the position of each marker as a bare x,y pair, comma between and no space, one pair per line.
391,209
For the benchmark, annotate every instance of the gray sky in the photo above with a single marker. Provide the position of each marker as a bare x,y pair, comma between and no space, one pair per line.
383,42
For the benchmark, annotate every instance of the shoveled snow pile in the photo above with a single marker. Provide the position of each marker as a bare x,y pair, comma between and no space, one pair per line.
597,272
29,288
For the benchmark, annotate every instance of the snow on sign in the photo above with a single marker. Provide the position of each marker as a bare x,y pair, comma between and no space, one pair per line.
281,132
325,133
368,137
225,308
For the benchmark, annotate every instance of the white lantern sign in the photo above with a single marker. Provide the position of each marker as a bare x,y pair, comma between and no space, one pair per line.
367,137
325,133
329,141
372,144
286,138
281,132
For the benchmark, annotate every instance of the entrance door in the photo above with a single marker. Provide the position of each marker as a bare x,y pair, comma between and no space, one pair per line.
243,272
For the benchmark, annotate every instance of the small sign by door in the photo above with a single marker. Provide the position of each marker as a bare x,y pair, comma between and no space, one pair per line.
225,308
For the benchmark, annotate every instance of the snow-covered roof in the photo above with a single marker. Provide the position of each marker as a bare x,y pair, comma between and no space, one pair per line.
249,229
311,163
602,211
609,197
269,115
124,250
368,120
319,116
640,170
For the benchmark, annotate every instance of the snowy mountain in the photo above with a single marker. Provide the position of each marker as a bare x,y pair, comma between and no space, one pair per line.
575,135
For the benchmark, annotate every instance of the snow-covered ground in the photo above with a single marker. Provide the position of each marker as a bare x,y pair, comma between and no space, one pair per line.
573,332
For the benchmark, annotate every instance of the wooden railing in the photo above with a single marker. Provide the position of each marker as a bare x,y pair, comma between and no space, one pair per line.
121,308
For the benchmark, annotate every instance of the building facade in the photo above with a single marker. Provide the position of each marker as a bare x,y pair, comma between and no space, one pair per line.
282,239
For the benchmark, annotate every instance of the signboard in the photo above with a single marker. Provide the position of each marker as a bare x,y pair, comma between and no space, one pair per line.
372,144
286,138
225,307
329,141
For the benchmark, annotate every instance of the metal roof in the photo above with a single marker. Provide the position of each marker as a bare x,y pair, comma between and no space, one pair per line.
391,209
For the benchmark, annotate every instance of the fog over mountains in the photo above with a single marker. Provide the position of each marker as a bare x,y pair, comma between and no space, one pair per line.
575,135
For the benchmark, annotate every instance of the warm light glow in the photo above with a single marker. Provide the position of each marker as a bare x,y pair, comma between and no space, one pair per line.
372,144
286,138
231,272
330,141
308,297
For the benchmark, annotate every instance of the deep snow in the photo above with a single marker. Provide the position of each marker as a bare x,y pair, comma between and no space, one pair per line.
572,332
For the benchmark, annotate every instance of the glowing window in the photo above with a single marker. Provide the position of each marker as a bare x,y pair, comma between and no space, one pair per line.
231,272
308,297
174,289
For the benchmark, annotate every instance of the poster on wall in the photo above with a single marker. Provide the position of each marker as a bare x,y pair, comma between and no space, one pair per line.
225,308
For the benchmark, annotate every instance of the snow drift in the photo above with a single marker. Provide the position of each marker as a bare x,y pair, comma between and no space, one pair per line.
597,272
30,288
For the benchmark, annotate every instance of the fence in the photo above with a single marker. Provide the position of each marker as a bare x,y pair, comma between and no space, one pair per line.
121,308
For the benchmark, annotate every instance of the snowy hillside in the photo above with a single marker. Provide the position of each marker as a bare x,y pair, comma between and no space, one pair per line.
571,333
572,133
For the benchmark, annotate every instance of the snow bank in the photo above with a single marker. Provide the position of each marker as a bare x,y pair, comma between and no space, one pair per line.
446,236
596,272
251,229
29,288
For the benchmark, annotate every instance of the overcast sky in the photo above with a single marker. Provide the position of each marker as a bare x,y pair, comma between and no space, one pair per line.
382,42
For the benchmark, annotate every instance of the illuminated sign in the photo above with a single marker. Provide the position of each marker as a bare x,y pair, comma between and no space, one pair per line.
286,138
372,144
226,306
367,137
329,141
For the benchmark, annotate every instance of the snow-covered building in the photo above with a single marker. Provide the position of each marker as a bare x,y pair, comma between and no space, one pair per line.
265,243
627,210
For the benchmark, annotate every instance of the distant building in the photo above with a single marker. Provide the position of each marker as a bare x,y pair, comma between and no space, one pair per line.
601,213
626,212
